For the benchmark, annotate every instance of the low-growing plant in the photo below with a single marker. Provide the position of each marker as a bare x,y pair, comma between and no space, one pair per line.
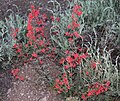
85,72
8,31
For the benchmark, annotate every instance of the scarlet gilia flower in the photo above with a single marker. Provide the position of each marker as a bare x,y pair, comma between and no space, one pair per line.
32,6
36,13
26,45
83,56
15,46
76,10
69,59
69,26
107,83
15,71
75,25
62,60
58,19
71,74
57,80
41,62
73,17
30,43
75,55
83,97
31,59
14,34
52,18
76,34
93,64
44,16
66,66
65,80
34,55
21,78
57,86
91,92
42,50
15,74
67,52
18,50
87,73
70,40
67,34
41,42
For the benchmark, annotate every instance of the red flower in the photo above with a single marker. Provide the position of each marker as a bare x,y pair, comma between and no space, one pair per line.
66,67
79,13
98,92
65,80
87,73
18,50
30,42
71,74
42,50
15,71
57,86
67,34
57,80
59,91
31,59
70,39
68,87
76,34
90,93
83,56
41,62
93,64
75,25
22,78
14,34
58,19
15,46
52,18
107,83
69,59
76,10
60,83
62,60
26,45
76,55
29,26
66,52
69,26
83,97
73,17
32,7
36,13
41,42
34,55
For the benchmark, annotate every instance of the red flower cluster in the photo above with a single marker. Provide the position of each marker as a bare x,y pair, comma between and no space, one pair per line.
35,42
15,74
72,60
62,85
96,89
76,10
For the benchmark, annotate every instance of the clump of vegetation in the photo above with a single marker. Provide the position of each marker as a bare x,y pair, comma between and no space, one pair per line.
79,43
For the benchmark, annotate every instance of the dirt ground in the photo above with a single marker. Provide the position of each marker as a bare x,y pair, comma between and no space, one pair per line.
35,87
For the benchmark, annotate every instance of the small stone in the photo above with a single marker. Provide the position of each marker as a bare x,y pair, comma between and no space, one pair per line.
43,99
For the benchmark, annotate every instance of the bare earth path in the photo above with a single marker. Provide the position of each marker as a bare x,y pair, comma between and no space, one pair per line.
33,88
